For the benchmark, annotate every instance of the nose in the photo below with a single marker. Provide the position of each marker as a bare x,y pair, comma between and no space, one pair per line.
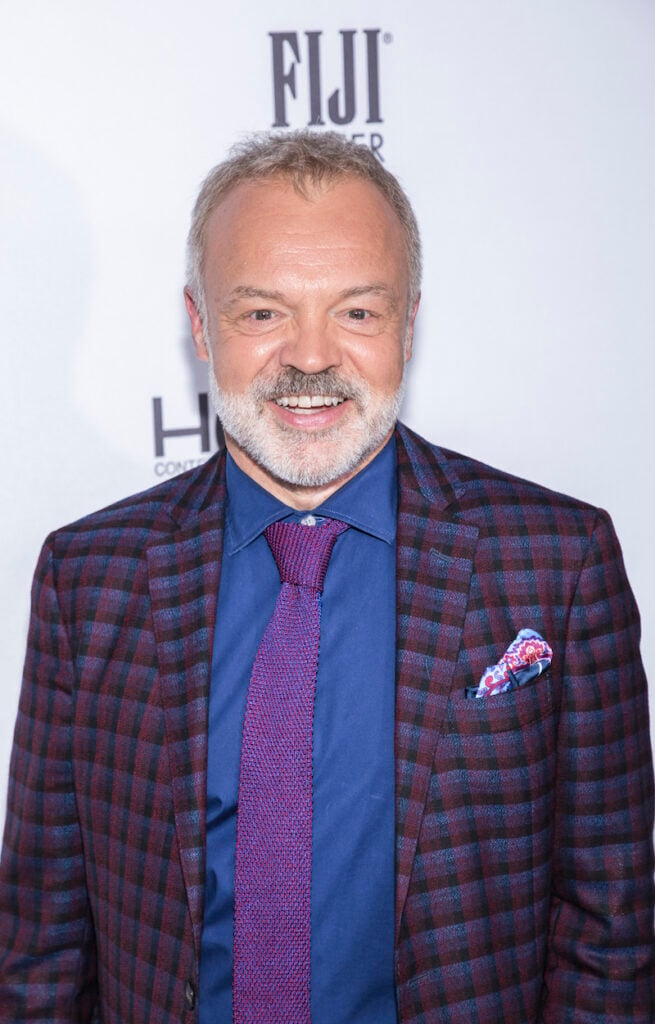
312,346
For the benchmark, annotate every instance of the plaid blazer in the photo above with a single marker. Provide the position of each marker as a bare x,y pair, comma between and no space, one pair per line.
524,821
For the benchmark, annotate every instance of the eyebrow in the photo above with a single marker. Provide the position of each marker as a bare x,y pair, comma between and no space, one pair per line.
368,289
243,291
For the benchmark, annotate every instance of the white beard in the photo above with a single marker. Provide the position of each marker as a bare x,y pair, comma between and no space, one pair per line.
306,458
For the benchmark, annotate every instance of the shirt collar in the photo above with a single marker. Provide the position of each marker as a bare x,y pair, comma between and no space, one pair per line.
369,502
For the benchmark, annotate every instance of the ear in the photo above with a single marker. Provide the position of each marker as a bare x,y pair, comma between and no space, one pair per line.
197,330
409,335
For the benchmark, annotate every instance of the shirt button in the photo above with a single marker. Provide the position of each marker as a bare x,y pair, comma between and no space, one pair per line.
190,994
308,520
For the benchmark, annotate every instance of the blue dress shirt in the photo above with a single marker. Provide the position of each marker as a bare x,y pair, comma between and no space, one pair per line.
352,901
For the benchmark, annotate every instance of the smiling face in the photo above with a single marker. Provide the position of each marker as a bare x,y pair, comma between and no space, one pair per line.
307,330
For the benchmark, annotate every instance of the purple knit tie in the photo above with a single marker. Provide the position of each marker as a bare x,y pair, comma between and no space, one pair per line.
272,878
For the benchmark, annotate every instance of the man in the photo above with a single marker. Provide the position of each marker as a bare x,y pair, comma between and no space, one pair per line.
472,668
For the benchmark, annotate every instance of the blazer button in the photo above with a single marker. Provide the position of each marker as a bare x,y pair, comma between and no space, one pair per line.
190,994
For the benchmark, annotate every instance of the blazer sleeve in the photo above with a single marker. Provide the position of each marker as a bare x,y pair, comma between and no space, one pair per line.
601,955
47,954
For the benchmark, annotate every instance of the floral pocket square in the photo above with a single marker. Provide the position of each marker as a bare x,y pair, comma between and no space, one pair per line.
526,657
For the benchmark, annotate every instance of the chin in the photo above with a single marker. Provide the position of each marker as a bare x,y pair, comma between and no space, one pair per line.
310,464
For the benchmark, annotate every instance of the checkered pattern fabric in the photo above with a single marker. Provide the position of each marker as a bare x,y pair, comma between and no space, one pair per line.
524,820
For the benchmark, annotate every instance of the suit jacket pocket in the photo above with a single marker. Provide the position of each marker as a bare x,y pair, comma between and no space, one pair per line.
504,712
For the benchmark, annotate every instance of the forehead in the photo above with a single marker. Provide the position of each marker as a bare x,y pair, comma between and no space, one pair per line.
268,219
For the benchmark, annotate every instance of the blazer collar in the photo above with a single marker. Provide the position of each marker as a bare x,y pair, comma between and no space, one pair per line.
427,470
192,496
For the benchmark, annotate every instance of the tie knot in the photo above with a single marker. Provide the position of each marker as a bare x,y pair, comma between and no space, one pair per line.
302,553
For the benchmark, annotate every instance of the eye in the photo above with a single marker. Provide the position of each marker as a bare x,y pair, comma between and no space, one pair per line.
261,314
359,314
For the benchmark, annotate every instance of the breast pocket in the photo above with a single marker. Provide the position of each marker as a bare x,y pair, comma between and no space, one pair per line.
503,712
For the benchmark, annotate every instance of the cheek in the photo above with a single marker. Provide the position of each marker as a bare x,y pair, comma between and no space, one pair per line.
237,363
382,366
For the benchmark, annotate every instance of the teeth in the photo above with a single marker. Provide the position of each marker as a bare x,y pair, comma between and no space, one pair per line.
308,401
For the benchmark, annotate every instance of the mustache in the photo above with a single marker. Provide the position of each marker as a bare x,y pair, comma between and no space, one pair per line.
294,382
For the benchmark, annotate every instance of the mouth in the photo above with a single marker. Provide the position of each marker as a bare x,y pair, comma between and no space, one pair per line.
308,404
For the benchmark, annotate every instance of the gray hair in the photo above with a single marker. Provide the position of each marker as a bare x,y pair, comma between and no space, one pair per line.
305,158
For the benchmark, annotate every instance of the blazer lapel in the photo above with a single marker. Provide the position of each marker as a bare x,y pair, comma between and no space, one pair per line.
434,563
184,572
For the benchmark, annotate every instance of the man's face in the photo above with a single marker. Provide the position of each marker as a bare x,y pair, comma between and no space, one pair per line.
307,330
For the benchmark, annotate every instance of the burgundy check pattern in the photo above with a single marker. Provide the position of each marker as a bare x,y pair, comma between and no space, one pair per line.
272,877
524,858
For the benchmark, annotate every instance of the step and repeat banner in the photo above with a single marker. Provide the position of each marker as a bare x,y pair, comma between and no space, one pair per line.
523,133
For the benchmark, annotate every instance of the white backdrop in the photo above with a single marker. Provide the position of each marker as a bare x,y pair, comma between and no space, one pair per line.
523,132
